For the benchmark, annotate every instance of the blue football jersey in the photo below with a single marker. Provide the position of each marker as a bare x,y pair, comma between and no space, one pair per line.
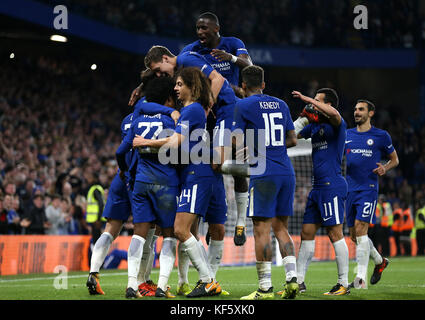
273,116
150,108
130,156
226,95
363,151
192,117
327,151
149,168
227,69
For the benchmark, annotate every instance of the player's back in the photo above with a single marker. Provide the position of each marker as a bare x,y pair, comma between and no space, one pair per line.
226,95
149,168
327,151
363,150
267,117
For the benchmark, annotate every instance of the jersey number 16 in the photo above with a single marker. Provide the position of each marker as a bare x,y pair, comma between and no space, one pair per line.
272,130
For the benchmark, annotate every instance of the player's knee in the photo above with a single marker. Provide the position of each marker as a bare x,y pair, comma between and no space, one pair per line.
216,231
335,233
240,184
307,235
180,233
361,228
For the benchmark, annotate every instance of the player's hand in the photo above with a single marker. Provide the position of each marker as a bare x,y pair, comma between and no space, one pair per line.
310,113
299,95
380,171
221,55
139,141
175,115
135,96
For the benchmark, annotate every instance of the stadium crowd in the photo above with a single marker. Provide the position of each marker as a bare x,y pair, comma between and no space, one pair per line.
59,133
393,23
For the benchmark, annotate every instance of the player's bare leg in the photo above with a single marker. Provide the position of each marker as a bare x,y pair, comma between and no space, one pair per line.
263,254
287,251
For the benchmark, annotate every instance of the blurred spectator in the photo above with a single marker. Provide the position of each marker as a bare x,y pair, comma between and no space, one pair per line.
35,221
407,227
393,23
397,226
420,230
55,216
3,218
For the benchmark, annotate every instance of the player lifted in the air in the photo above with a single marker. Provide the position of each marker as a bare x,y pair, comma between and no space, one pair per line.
161,61
228,56
364,147
326,201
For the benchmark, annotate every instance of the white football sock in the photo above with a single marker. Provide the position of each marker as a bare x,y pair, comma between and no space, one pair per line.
342,262
290,263
183,264
374,254
135,252
305,256
197,258
264,272
100,251
166,261
215,253
144,262
241,199
151,258
362,256
205,256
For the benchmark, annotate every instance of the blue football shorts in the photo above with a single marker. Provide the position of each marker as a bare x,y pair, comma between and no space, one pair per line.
271,196
325,206
155,203
118,203
361,205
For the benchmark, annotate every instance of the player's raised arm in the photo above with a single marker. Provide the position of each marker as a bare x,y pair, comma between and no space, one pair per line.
325,102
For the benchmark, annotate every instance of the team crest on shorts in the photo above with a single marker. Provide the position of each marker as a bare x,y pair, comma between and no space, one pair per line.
369,142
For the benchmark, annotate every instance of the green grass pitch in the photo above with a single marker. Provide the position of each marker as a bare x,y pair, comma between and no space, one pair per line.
404,279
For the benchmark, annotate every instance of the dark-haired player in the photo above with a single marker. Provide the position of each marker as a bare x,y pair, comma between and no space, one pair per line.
228,56
271,192
364,147
118,205
161,61
326,201
156,188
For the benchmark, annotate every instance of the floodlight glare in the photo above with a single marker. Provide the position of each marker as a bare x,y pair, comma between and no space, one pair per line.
58,38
